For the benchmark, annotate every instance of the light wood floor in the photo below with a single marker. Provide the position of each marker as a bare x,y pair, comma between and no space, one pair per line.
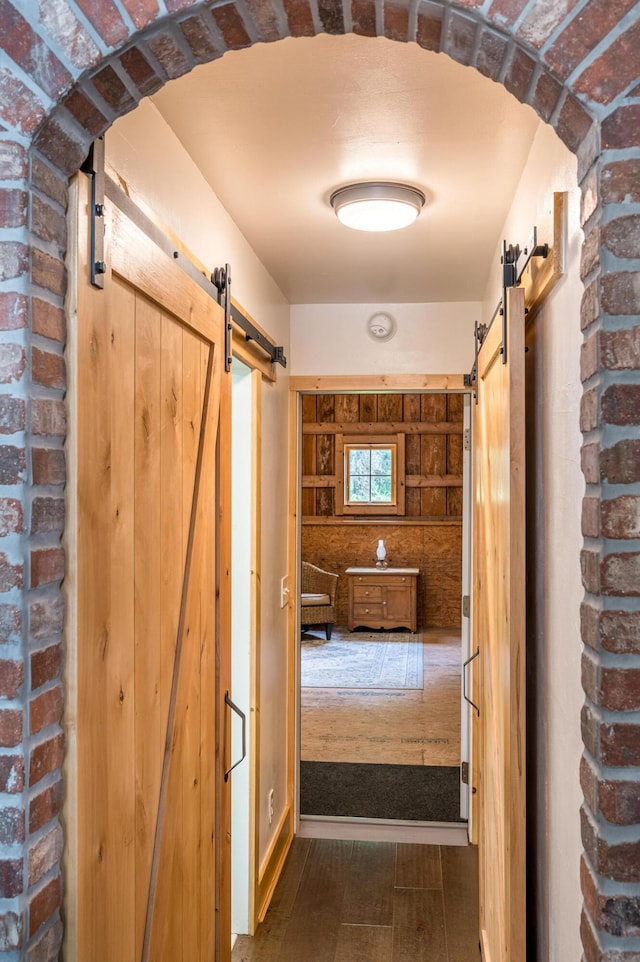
370,902
390,726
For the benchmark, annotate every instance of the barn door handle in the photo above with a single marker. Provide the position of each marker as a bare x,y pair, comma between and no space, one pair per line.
464,681
242,715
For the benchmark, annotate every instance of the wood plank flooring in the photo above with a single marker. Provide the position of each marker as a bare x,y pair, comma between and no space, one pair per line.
341,901
389,726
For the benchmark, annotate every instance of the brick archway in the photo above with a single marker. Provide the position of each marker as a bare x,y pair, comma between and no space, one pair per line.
70,73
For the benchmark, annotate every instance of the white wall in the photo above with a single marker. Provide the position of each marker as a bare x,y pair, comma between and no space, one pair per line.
555,492
148,156
430,339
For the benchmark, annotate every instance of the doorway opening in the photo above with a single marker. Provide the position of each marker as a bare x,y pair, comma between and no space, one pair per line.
244,632
383,728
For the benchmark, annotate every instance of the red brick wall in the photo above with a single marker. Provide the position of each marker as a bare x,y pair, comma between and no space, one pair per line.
66,76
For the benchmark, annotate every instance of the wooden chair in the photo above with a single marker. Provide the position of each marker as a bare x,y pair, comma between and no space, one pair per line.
318,597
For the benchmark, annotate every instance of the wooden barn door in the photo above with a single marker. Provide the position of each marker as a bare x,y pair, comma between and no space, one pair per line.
148,809
499,633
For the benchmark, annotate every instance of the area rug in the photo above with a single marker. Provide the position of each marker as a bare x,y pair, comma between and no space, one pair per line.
362,660
425,793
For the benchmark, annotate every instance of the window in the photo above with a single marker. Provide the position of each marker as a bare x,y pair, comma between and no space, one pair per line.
370,474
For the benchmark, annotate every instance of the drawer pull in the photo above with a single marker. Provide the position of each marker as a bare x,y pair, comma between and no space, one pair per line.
366,611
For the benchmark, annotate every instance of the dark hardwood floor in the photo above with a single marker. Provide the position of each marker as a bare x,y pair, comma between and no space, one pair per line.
370,902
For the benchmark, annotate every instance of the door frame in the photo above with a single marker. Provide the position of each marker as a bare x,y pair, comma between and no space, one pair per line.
338,384
467,809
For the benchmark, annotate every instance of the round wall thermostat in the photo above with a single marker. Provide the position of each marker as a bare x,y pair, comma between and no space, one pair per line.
381,326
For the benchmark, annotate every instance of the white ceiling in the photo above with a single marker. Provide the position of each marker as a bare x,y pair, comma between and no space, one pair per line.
276,128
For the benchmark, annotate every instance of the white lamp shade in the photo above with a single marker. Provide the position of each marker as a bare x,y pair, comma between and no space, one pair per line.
377,206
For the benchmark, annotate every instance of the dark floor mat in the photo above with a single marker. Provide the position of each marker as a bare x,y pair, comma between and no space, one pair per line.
425,793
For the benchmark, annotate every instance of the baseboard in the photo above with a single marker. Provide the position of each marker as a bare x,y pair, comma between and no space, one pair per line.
272,863
378,830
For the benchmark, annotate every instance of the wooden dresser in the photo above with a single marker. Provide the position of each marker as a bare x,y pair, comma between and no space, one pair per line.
383,597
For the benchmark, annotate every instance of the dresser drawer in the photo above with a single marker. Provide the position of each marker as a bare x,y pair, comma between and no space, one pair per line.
366,593
398,580
374,580
371,612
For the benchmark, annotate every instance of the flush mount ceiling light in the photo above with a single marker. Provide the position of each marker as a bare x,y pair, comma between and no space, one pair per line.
377,206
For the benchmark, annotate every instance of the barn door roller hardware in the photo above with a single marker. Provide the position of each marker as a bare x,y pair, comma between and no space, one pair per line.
479,334
514,261
221,280
94,167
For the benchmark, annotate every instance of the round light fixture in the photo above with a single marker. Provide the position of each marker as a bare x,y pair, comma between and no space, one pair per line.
377,206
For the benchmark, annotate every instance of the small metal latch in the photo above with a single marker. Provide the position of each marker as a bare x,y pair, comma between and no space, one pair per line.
466,606
466,439
464,773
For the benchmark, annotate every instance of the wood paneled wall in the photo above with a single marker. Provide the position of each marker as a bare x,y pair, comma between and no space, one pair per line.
432,425
436,549
429,536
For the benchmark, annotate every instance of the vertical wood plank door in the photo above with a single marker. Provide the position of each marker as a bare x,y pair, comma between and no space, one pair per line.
499,633
148,804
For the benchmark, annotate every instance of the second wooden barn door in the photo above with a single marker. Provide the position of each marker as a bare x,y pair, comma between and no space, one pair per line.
147,795
499,634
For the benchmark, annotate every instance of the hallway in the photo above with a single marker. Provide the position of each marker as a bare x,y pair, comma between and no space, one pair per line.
341,901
